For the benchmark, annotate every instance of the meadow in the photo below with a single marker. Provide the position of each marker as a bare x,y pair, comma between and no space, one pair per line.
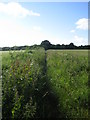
38,84
68,74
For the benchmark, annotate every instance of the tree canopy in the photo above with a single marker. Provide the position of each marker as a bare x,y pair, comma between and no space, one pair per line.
46,45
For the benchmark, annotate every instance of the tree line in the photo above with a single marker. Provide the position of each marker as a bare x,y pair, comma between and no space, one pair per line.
47,45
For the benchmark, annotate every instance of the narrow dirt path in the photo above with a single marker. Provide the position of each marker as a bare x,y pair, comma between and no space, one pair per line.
47,101
50,100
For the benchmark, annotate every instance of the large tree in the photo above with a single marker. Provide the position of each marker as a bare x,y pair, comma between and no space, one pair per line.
46,44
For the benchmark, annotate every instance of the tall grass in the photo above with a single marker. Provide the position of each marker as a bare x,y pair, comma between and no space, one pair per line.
39,84
68,77
21,73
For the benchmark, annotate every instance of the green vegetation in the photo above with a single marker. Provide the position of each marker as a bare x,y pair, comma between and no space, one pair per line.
38,84
47,45
68,76
21,73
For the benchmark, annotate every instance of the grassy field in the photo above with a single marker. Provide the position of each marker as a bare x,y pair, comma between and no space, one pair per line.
22,74
68,76
39,84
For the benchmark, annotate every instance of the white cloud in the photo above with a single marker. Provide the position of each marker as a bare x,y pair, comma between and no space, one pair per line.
72,31
82,24
16,10
80,40
12,33
37,28
57,40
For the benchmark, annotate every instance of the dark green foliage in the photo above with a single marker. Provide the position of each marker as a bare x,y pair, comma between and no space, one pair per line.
44,84
20,81
26,92
46,45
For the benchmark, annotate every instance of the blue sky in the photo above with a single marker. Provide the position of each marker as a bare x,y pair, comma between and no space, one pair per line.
27,23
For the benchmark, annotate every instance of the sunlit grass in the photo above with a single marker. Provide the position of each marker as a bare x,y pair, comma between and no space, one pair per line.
68,74
24,78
